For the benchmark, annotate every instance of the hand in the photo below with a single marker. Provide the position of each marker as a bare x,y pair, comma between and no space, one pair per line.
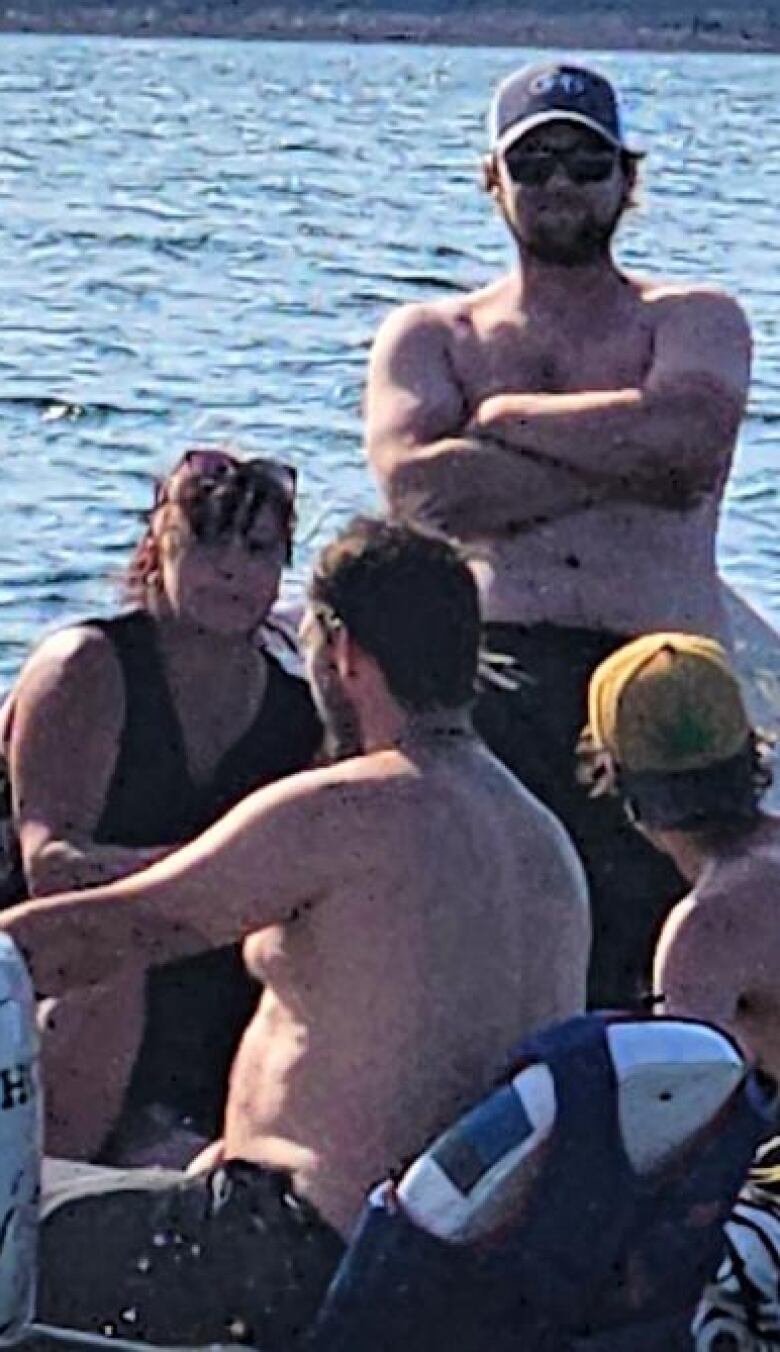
208,1158
488,417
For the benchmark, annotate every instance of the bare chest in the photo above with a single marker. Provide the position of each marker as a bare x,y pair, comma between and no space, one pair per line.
522,356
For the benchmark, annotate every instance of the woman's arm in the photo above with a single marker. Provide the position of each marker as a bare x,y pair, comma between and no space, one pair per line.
62,737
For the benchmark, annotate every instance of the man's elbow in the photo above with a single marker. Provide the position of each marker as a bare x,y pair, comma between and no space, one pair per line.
688,451
700,421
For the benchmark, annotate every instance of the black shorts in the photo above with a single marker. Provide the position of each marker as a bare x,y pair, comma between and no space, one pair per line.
151,1254
534,731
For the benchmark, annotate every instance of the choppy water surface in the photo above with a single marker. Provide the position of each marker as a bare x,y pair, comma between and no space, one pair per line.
201,237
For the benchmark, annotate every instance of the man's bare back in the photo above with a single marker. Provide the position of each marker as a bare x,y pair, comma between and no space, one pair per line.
719,954
461,925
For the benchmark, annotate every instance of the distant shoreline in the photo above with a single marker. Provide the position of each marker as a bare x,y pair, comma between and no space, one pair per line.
635,25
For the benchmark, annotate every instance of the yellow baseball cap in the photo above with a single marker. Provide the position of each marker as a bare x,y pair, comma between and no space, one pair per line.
668,710
667,703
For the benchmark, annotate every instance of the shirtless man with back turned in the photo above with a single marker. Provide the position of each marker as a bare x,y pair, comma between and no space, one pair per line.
412,911
669,735
574,427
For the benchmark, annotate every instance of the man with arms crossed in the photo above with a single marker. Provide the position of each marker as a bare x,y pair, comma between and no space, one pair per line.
412,911
669,735
574,427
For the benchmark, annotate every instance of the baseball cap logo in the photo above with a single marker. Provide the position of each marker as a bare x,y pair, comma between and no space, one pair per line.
568,82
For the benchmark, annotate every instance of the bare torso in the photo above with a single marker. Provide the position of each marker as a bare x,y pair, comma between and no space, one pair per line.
391,1006
627,567
719,954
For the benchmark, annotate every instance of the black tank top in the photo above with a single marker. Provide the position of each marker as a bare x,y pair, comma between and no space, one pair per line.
197,1008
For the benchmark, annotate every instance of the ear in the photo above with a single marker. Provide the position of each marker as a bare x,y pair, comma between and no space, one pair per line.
344,652
490,177
630,167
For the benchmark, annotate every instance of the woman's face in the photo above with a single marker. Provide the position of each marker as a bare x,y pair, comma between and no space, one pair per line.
227,584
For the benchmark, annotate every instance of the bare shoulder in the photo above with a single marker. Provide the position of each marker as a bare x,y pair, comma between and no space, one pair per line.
79,653
669,301
76,664
346,793
732,911
419,322
562,864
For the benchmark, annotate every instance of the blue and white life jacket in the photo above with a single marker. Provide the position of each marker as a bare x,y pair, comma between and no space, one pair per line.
581,1202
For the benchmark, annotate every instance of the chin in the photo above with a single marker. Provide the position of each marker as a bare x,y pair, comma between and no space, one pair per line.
566,251
228,621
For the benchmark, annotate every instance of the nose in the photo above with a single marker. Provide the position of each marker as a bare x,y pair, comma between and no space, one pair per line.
228,560
558,174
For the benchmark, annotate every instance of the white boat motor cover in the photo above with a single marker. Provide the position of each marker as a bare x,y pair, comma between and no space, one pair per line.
21,1136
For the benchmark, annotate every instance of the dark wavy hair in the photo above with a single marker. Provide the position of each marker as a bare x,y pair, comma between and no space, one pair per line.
406,595
217,494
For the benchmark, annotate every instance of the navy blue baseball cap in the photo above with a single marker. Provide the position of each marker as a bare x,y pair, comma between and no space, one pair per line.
544,93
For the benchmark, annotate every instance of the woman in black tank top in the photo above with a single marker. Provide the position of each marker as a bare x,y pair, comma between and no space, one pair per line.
127,737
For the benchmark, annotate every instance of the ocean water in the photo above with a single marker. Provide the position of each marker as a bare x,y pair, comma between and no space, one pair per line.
200,238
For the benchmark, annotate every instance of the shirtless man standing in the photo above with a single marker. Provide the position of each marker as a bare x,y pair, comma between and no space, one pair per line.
574,426
412,911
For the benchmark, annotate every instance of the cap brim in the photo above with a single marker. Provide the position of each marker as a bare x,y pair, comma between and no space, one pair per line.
517,130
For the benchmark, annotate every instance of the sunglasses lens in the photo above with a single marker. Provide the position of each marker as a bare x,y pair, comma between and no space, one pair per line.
530,170
583,167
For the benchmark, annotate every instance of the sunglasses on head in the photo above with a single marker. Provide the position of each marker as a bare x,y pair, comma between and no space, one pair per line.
534,168
207,463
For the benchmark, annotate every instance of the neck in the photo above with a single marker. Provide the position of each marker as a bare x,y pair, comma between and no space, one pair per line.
552,288
401,731
692,855
689,856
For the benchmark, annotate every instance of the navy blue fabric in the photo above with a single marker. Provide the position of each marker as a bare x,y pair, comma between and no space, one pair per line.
600,1260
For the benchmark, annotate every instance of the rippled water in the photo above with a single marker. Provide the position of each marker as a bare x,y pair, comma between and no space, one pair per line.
202,237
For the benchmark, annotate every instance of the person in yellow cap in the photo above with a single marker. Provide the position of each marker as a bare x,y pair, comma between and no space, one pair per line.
669,733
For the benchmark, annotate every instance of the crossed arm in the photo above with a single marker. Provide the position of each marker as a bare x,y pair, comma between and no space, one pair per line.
664,442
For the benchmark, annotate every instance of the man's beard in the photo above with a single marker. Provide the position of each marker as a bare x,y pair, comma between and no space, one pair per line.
547,243
340,720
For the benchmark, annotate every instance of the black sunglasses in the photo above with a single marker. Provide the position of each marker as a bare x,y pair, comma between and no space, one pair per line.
534,168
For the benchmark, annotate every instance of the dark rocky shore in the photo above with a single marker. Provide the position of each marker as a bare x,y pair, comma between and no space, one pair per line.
661,25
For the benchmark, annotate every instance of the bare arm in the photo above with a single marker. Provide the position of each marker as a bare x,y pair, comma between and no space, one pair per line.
247,871
708,965
426,467
671,437
63,728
